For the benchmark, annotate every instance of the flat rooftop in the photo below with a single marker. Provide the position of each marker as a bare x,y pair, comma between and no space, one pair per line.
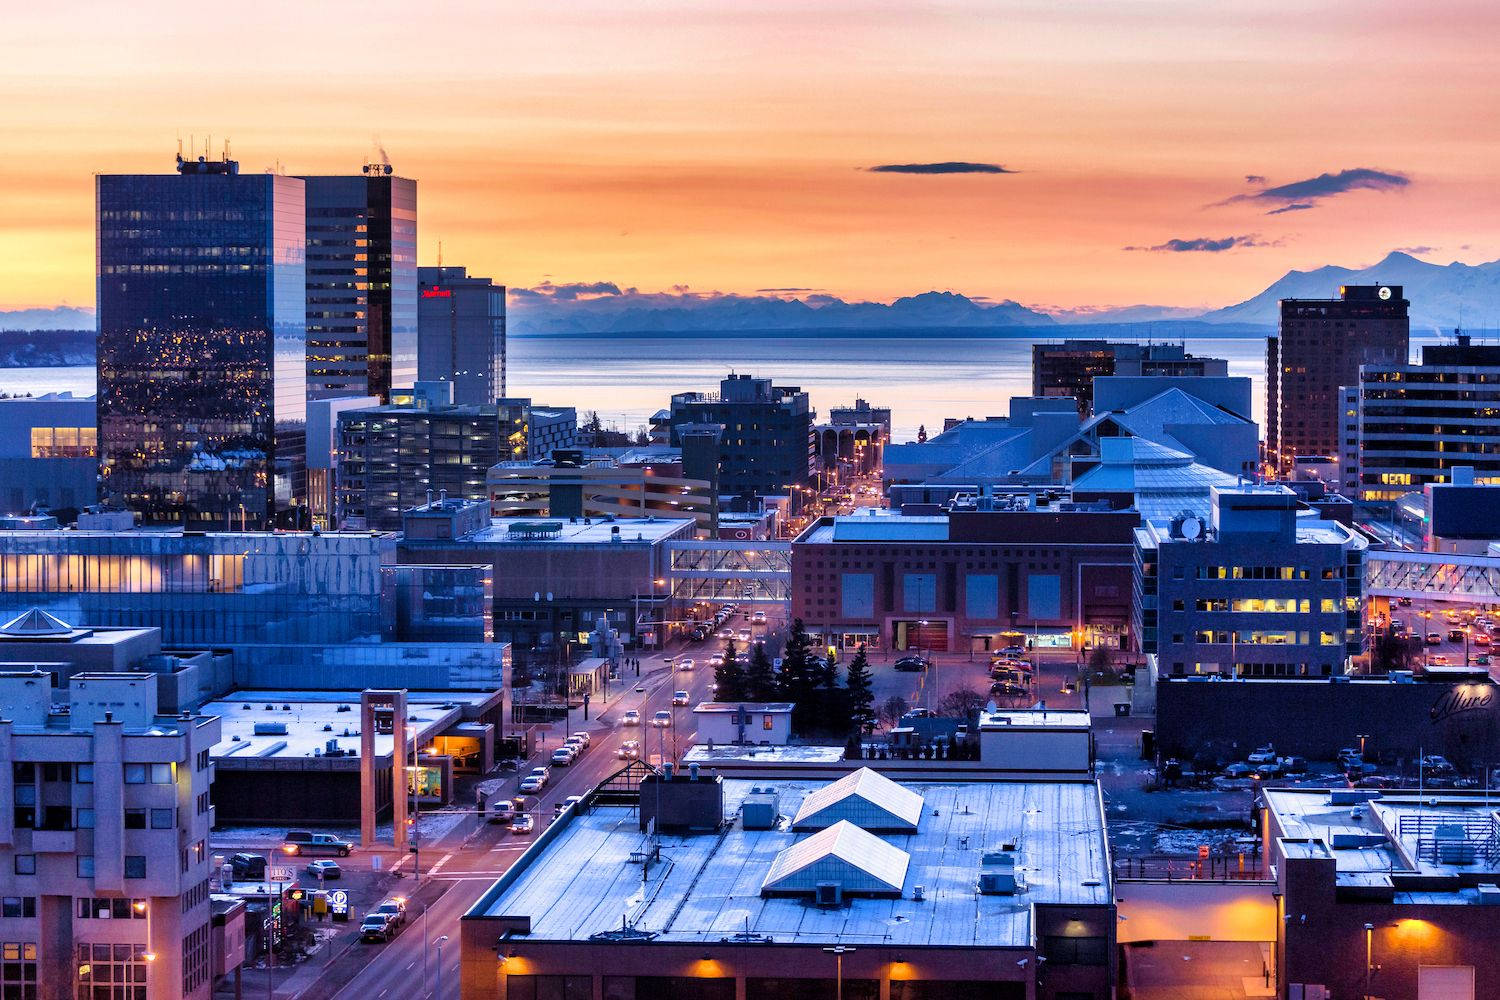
583,882
887,526
1034,719
597,532
312,718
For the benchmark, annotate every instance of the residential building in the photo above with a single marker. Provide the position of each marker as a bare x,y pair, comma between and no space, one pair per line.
766,441
104,860
394,457
1387,894
48,453
202,345
553,579
361,283
1069,368
1418,422
1319,347
462,328
912,891
551,428
966,580
1256,590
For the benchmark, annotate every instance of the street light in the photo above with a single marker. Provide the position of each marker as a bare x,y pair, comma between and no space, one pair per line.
838,951
438,994
1369,956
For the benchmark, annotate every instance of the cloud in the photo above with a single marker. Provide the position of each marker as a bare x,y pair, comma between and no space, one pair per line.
784,291
1204,244
1418,250
946,167
571,291
1299,196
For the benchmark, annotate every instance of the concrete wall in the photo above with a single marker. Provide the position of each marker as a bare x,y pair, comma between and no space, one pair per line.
1315,718
1036,750
1182,910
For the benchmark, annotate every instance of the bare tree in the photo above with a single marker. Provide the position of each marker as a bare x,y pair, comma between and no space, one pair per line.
891,710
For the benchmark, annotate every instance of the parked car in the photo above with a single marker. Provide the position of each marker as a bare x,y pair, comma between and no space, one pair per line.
686,663
500,811
558,807
248,867
533,783
522,824
1437,764
1271,770
911,664
662,719
759,618
563,756
375,927
744,635
679,697
632,718
325,870
304,843
1237,771
394,908
1013,651
1294,765
629,750
1434,639
1262,755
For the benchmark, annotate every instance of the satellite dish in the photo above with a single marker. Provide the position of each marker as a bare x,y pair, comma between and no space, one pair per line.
1192,528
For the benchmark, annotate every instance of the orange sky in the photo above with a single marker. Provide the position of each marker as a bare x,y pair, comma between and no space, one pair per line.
721,145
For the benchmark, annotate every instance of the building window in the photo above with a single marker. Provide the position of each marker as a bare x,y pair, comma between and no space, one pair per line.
554,988
135,774
116,971
83,819
18,906
163,819
85,866
135,819
135,866
83,773
18,972
1075,950
161,774
25,864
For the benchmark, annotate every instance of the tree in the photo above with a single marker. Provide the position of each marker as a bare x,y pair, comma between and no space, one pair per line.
729,677
859,684
760,677
891,711
799,676
921,434
961,703
1101,660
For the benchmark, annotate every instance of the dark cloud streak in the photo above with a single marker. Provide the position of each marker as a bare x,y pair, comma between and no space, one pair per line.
1204,244
945,167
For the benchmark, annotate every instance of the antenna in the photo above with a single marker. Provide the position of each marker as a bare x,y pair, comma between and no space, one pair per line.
440,257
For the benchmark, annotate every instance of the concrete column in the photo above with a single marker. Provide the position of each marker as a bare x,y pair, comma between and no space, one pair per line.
109,808
366,770
400,754
369,701
7,789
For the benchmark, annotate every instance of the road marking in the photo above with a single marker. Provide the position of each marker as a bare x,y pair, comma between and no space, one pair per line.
441,862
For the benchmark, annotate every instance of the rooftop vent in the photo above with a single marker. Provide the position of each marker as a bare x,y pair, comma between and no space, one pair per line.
997,874
270,729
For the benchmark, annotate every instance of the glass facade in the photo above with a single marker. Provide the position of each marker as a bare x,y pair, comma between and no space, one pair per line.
201,357
211,588
461,322
361,295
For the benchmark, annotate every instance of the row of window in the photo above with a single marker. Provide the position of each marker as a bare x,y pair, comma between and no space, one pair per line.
1256,637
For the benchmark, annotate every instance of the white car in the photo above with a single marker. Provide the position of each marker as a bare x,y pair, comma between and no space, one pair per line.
583,738
679,697
759,618
632,718
662,719
744,635
563,756
686,663
629,750
716,659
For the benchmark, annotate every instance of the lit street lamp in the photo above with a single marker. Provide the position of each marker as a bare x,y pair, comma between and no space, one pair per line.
838,951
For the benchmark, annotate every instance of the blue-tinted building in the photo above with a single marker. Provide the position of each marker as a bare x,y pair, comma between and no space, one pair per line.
202,344
361,284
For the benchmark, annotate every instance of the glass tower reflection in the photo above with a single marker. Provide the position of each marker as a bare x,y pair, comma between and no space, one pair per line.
202,345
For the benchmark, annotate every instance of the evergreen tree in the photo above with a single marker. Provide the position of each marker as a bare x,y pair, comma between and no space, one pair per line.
859,684
800,676
729,677
760,678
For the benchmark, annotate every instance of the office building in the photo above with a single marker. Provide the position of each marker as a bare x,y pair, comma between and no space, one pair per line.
853,437
789,888
553,579
394,457
1384,894
1257,590
48,453
104,860
323,455
202,353
461,322
637,483
550,428
1417,423
1318,348
1069,368
966,580
361,283
766,442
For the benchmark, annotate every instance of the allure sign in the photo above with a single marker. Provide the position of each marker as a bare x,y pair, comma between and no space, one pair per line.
1461,699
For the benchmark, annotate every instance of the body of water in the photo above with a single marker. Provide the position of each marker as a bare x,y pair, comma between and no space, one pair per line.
626,378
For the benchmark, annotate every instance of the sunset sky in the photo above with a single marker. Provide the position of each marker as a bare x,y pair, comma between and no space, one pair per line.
727,146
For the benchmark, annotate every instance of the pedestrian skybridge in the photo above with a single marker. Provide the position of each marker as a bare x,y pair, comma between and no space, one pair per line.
718,571
1442,576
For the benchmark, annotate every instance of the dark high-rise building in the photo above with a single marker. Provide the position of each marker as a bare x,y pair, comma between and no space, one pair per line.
1318,349
202,351
361,284
765,445
461,324
1069,368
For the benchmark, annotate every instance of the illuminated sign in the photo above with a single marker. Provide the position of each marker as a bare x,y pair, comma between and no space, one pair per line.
338,901
436,293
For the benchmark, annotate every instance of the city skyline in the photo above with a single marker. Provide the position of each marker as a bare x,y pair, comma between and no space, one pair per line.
1140,154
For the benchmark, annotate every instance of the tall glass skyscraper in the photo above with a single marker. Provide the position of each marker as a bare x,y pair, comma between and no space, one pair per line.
202,344
361,284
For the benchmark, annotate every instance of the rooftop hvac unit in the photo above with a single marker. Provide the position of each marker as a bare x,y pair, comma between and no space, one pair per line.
997,874
828,894
760,809
270,729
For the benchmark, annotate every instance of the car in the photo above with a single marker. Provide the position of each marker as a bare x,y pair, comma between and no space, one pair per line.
536,780
679,697
716,659
1404,602
582,736
662,719
1237,771
304,843
522,824
1434,639
1013,651
1481,639
759,618
632,718
247,866
375,927
1437,764
744,635
911,664
686,663
1456,635
571,800
1437,660
1294,765
629,750
726,634
325,869
1271,770
393,908
563,756
1262,755
500,811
